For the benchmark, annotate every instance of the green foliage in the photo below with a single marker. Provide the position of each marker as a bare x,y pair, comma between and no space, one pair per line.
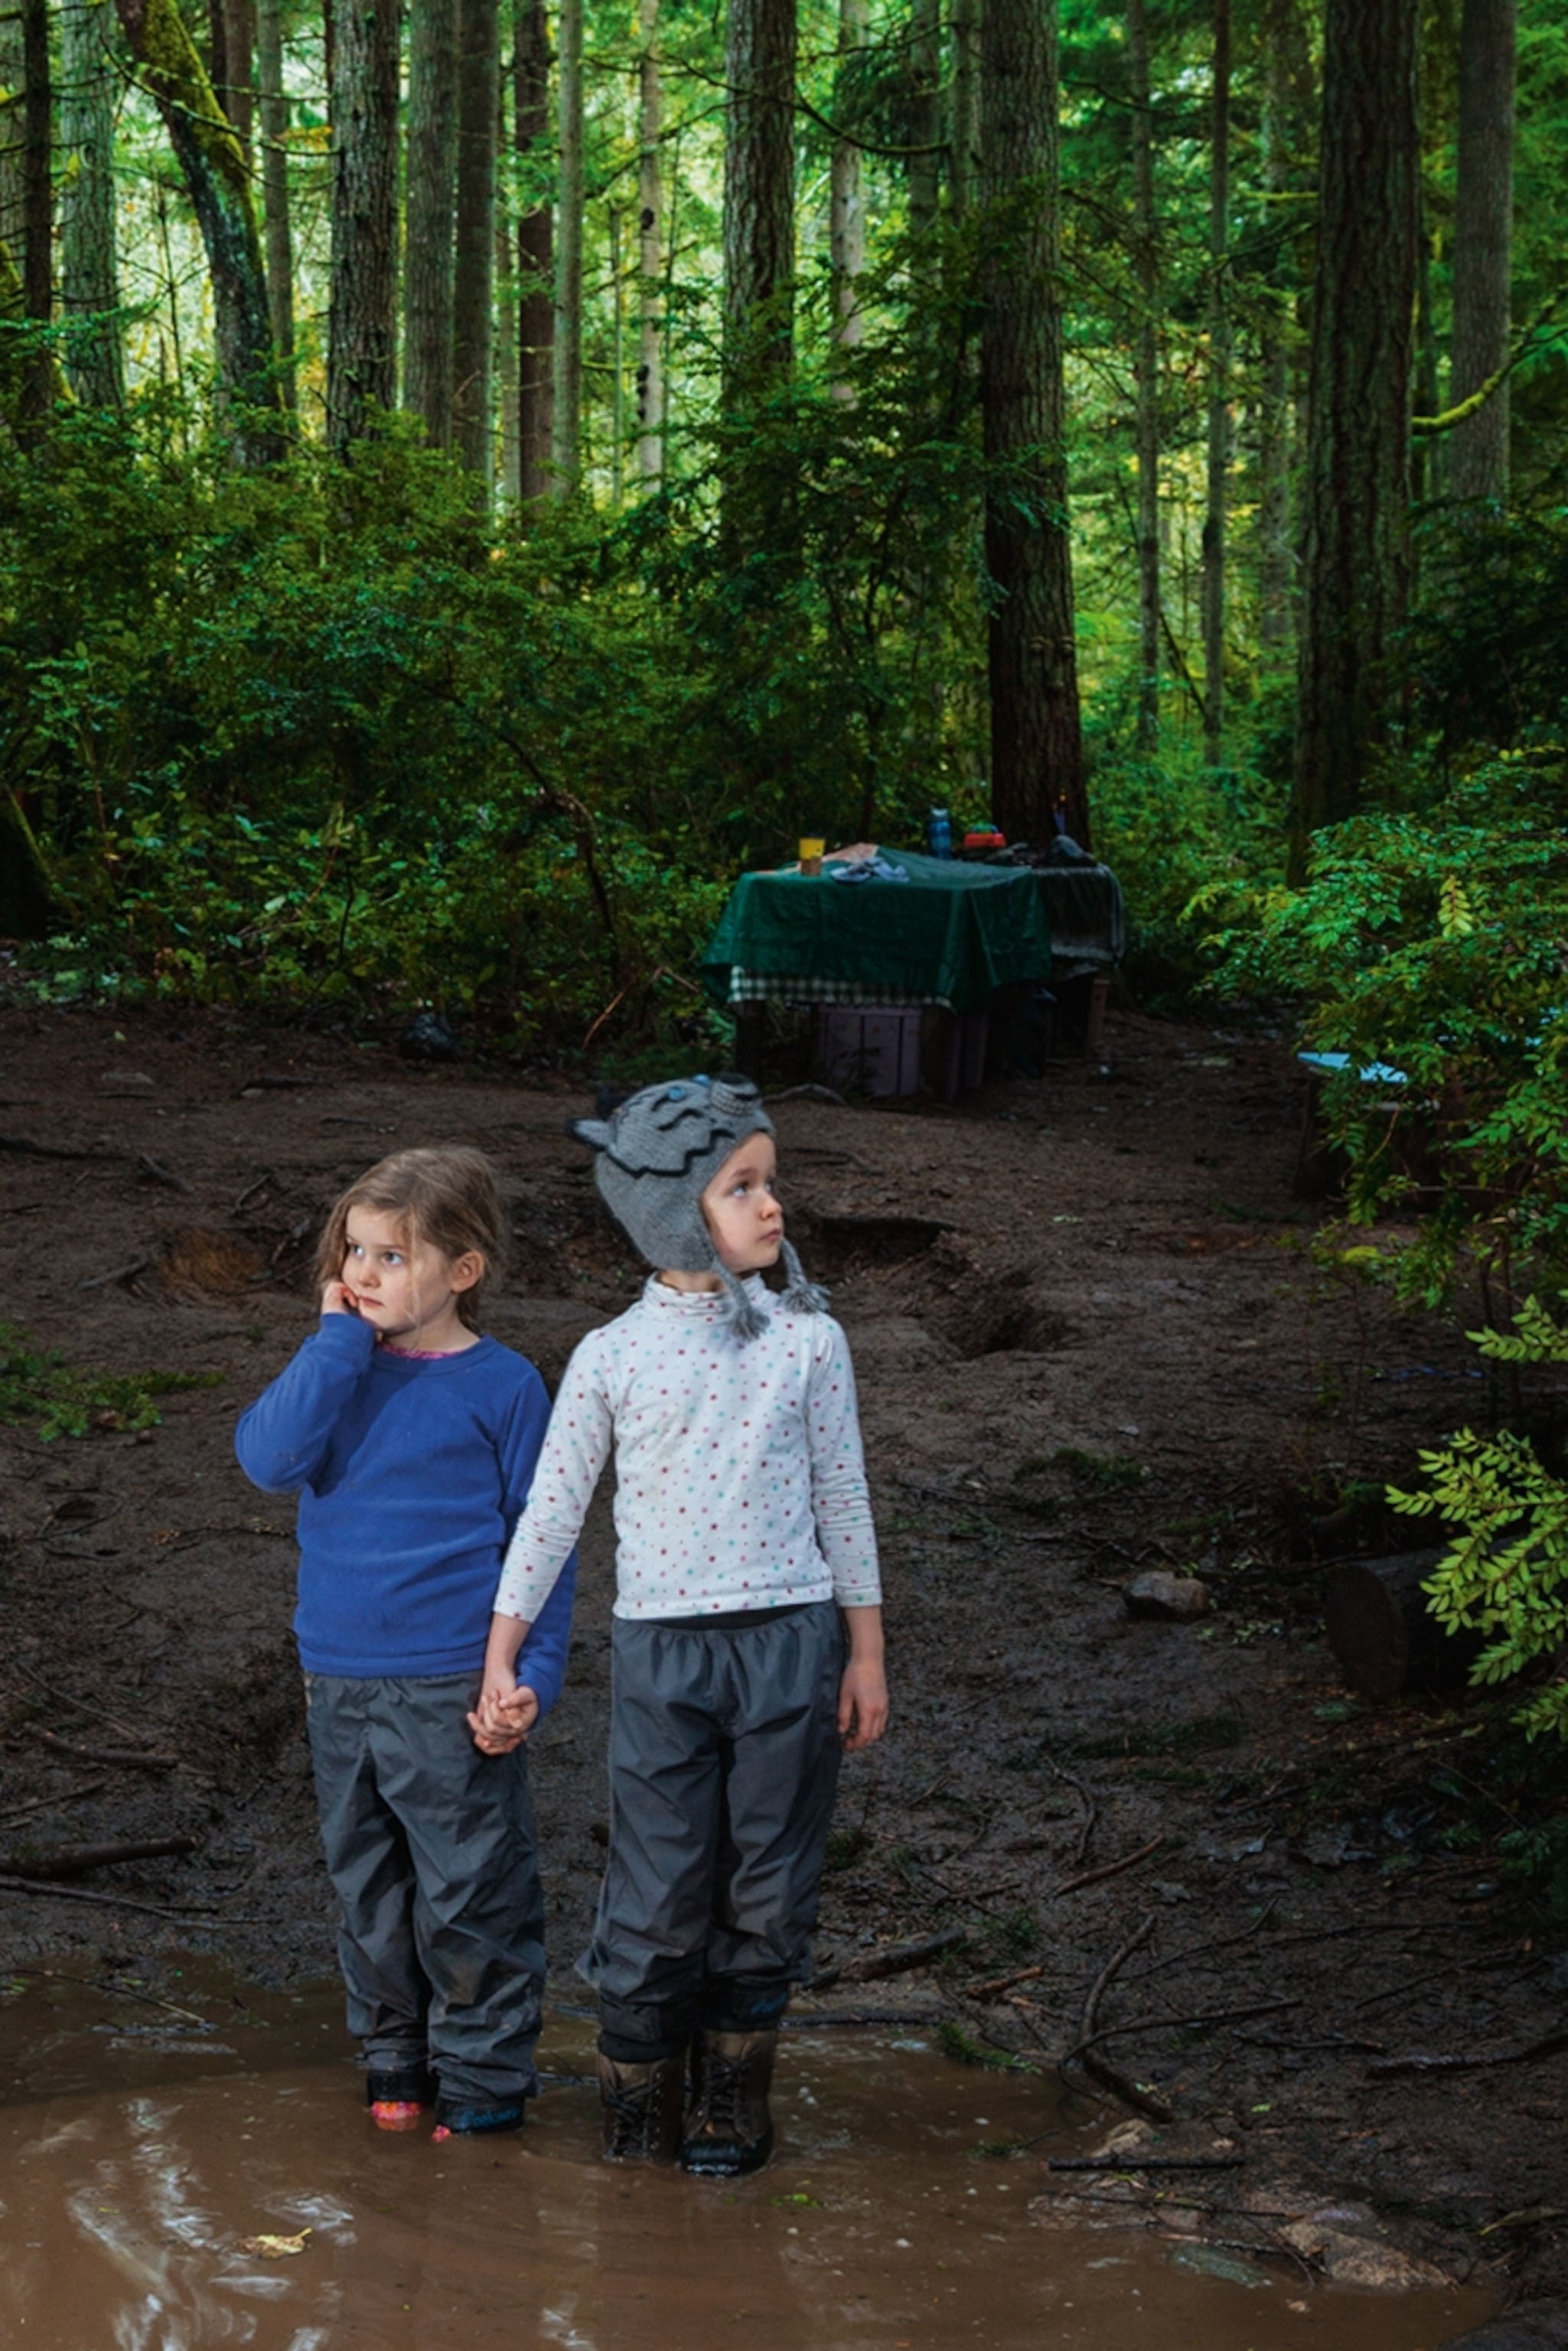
1505,1573
1106,1473
1429,939
41,1388
965,2050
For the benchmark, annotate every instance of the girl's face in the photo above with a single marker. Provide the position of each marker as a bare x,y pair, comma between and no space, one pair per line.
408,1293
741,1211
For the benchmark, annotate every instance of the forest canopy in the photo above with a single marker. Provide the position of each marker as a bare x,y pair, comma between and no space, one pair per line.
472,479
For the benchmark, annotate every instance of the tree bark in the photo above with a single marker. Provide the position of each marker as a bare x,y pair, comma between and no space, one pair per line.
1355,555
963,107
474,280
12,145
758,196
1214,519
1286,73
1037,751
846,220
506,307
219,188
89,280
536,260
566,447
650,249
232,28
1147,371
431,182
37,206
924,115
273,108
1476,459
362,352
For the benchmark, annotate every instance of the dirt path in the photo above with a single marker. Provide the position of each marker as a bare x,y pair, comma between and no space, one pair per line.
1089,1339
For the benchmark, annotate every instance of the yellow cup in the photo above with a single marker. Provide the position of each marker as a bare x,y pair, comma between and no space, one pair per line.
811,856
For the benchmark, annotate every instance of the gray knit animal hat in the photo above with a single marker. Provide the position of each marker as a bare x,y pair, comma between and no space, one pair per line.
653,1159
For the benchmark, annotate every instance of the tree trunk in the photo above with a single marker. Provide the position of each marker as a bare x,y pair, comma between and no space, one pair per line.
507,311
846,220
1286,82
924,115
1147,370
758,196
1477,455
37,206
1036,752
1219,394
536,261
432,182
89,281
219,188
1383,1633
566,447
1355,556
231,27
272,108
13,74
474,280
963,107
650,249
362,352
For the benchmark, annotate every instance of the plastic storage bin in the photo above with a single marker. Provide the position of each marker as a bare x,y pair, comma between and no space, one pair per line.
871,1049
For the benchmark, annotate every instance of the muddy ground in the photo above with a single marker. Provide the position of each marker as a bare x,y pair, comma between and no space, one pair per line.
1090,1342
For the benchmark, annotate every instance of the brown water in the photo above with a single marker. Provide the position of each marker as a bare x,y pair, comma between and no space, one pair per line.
140,2146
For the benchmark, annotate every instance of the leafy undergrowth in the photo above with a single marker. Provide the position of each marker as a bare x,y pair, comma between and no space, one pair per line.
40,1387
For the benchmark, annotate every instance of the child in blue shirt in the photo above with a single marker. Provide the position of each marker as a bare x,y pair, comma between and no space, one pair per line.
410,1440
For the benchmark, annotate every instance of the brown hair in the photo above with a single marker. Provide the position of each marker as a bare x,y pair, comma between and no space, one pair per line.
446,1197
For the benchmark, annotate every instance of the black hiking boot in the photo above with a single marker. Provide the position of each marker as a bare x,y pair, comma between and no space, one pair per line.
731,2130
643,2109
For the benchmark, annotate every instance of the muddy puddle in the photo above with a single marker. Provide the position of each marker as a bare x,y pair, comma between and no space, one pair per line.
147,2147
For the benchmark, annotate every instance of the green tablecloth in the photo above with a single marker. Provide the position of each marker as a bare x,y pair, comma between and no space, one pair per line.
951,932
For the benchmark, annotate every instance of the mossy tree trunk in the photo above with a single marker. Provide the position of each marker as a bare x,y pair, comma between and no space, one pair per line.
1477,454
758,196
272,108
431,187
1037,744
215,179
89,282
37,207
474,247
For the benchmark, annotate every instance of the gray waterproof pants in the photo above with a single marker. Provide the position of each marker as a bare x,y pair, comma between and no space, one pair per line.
724,1759
430,1845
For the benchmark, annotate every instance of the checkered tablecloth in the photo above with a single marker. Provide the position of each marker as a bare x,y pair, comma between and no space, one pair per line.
803,987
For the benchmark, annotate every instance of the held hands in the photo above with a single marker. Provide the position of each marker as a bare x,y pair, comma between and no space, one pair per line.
862,1704
504,1715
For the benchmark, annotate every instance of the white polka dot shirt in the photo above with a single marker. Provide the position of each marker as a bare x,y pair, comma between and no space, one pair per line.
740,1481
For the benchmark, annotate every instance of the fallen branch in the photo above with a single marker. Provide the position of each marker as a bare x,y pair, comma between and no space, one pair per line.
1091,1812
1132,2094
24,1143
205,1917
51,1804
1110,1868
895,1961
833,2019
1476,2062
141,1759
76,1860
999,1984
125,1272
1144,2163
163,1175
75,1704
242,1198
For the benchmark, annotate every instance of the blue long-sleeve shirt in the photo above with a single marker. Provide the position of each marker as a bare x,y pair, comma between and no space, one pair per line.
411,1476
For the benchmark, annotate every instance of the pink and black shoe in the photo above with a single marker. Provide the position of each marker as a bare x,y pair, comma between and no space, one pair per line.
400,2100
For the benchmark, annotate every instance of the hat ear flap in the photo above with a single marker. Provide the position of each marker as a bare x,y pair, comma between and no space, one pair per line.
592,1131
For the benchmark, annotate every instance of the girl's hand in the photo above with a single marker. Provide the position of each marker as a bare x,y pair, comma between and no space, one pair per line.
862,1704
338,1299
504,1716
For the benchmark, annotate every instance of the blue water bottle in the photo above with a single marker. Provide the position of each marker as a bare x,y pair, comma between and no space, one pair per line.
939,833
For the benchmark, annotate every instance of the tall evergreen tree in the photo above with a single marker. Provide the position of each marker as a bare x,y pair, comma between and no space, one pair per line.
846,226
432,182
1355,552
473,252
1036,748
566,446
536,260
1477,452
272,105
758,193
89,278
361,356
38,201
1219,481
1146,376
650,248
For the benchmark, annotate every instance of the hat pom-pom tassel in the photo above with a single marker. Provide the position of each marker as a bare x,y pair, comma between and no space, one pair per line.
801,1296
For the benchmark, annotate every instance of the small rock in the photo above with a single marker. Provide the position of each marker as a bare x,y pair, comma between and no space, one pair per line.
429,1038
1348,2260
1209,2261
1172,1599
124,1081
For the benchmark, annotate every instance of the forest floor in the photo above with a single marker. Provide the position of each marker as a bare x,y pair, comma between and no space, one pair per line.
1091,1339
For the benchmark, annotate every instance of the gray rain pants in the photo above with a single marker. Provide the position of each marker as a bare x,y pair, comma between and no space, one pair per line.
724,1759
430,1845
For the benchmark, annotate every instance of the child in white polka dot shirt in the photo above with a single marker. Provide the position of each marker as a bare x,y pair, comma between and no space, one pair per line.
748,1650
